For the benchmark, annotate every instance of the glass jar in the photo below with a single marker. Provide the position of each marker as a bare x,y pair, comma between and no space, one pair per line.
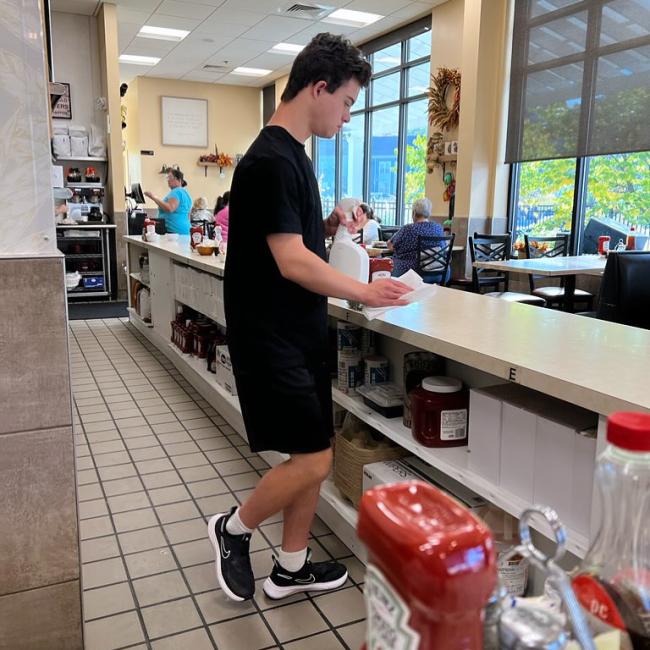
613,584
439,412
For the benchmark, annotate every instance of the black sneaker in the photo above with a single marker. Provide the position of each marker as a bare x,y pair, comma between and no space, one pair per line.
232,562
314,576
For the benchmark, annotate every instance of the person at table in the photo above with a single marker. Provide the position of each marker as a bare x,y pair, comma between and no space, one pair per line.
371,228
222,214
404,242
175,207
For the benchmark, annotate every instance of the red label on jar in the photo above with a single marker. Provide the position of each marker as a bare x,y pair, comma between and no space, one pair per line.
593,597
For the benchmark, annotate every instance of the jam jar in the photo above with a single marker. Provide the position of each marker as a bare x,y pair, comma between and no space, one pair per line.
439,410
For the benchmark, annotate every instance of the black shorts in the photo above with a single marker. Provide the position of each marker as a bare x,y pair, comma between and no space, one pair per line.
287,409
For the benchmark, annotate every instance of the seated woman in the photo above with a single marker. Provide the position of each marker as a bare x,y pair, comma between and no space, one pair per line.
371,229
200,211
404,243
221,214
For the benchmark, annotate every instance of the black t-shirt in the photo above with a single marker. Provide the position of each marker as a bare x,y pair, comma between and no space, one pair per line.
272,321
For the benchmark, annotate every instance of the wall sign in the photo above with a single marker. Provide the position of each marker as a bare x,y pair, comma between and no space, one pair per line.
63,108
184,122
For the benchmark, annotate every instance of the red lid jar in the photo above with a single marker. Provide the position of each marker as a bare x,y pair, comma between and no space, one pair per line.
381,268
439,412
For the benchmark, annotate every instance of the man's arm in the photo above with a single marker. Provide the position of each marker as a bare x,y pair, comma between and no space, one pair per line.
298,264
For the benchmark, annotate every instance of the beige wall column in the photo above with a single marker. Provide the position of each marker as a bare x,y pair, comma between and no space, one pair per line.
481,190
110,81
40,599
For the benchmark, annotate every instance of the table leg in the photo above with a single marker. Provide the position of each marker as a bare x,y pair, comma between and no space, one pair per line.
569,292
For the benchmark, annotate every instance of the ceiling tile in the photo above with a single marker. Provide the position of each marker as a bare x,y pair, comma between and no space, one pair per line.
184,9
382,7
138,5
203,75
173,22
128,72
150,47
268,7
126,15
316,28
275,28
268,60
236,16
125,34
211,27
415,9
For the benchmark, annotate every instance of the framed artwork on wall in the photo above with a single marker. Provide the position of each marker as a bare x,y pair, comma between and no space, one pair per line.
63,108
184,122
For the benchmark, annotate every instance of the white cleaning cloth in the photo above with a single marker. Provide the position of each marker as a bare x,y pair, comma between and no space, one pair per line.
420,291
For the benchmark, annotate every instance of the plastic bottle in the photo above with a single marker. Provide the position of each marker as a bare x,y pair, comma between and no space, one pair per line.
348,257
630,244
613,584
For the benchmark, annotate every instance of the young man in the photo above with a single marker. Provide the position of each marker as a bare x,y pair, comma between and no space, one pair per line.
276,285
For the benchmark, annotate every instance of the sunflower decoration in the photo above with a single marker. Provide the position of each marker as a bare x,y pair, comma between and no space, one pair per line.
444,82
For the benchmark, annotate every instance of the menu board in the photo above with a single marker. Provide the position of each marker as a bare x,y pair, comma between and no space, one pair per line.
185,122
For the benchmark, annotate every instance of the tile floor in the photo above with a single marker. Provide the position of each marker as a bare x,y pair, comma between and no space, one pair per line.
154,462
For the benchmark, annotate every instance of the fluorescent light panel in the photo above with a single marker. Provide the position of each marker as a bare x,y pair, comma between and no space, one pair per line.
162,33
135,59
251,72
352,18
287,48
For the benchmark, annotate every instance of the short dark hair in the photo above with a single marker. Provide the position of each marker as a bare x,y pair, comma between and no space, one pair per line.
178,175
328,58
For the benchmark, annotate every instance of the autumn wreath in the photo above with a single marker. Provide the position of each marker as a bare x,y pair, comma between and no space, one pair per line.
440,114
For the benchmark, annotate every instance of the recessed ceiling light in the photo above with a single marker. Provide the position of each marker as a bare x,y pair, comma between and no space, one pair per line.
139,60
162,33
251,72
287,48
352,18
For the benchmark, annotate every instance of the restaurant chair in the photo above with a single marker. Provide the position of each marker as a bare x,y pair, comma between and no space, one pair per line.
386,232
556,246
496,248
434,258
625,289
357,238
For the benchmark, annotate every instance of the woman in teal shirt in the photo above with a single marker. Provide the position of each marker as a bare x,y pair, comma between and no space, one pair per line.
175,207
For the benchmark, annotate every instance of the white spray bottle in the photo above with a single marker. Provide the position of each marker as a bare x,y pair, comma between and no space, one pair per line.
345,255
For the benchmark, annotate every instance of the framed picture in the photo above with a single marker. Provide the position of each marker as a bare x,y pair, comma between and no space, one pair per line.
184,122
63,108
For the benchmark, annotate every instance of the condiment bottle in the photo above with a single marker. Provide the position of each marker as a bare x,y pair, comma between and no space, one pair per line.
613,585
603,244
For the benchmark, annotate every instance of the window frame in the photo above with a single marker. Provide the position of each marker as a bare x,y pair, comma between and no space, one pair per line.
370,48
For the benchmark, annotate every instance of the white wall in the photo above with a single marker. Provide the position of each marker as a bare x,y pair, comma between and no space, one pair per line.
75,55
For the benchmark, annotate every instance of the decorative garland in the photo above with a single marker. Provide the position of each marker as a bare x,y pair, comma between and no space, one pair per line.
440,114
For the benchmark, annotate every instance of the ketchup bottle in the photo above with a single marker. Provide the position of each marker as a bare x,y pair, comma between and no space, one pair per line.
431,569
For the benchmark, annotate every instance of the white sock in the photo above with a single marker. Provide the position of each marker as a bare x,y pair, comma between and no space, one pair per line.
294,561
235,526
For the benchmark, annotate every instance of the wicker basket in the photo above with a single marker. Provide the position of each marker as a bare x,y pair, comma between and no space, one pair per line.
349,459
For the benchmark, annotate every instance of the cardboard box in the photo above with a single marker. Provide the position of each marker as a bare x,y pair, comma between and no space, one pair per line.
225,375
386,471
484,435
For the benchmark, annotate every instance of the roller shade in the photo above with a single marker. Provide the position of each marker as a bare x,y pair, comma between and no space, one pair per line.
580,79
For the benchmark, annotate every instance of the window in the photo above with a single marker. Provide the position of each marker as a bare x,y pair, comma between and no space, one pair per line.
380,155
580,85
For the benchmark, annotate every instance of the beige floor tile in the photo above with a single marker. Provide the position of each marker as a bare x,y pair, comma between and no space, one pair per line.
108,600
153,466
212,442
196,552
189,460
186,531
136,431
127,412
216,607
159,588
132,501
343,606
146,563
93,427
161,479
103,572
209,433
97,527
94,508
323,641
172,494
102,416
353,635
87,492
262,563
167,427
194,640
176,616
86,476
334,546
207,488
247,633
106,447
117,471
162,418
114,458
141,442
134,520
180,448
201,577
113,632
198,423
273,532
103,436
213,505
148,453
224,454
201,473
264,603
295,621
177,512
122,486
100,548
243,481
232,467
356,570
175,437
142,540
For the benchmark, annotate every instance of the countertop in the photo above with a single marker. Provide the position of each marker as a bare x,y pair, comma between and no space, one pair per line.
87,225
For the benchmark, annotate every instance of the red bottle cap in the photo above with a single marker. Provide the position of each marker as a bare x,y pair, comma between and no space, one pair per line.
629,431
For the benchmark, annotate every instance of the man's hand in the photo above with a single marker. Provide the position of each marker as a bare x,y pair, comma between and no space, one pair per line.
385,293
338,217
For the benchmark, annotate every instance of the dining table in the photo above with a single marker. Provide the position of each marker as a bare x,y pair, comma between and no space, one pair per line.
566,267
